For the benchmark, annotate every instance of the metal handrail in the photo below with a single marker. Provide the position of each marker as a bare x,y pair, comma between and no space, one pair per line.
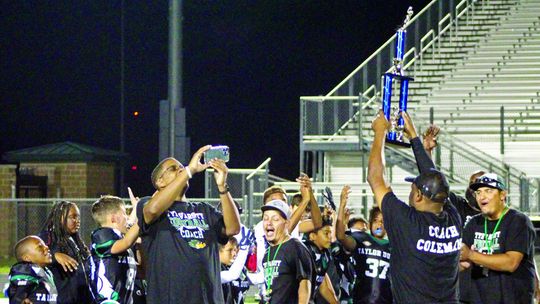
429,39
259,168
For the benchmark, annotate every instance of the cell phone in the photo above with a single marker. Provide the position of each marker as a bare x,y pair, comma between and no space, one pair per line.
219,152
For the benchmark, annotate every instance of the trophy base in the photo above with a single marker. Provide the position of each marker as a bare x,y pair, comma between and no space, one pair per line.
398,144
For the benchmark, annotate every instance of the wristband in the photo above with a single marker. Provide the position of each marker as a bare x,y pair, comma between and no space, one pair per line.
224,191
188,171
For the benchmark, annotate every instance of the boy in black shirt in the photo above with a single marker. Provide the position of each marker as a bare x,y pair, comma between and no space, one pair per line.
371,253
113,266
425,234
288,267
227,255
180,238
29,280
503,240
318,244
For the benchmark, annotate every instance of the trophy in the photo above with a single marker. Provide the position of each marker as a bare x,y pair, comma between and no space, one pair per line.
392,113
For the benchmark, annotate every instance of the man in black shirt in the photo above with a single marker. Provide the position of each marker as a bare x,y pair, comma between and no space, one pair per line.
499,246
425,235
288,267
180,239
371,254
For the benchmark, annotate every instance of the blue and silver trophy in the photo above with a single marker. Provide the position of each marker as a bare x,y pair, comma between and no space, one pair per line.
395,135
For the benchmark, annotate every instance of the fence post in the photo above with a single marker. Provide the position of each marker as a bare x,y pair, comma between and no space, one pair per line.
320,118
360,118
301,135
14,196
245,207
250,203
524,194
537,193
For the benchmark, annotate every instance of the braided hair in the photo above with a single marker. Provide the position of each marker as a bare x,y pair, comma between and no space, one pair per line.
55,226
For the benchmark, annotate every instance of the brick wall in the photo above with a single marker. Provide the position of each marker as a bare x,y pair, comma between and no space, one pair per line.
100,179
7,178
69,179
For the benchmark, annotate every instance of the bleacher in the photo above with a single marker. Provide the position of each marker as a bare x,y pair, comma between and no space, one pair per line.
476,75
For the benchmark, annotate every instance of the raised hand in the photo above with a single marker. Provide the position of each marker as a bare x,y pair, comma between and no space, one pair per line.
430,137
220,171
195,164
305,186
344,198
410,130
380,123
134,201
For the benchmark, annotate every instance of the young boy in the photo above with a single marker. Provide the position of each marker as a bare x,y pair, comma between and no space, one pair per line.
319,244
233,290
113,266
29,279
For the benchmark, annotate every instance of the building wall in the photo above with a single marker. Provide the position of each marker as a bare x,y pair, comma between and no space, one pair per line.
7,210
100,179
7,178
65,180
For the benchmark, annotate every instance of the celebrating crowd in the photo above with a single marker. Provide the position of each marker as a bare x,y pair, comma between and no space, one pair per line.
437,248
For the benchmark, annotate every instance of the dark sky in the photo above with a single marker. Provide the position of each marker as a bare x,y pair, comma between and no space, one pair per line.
246,63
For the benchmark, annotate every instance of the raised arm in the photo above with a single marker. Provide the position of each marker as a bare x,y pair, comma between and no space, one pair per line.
346,240
165,197
231,218
308,197
133,233
423,158
127,241
376,159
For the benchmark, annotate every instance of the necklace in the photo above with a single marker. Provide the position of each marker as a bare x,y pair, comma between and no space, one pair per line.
488,239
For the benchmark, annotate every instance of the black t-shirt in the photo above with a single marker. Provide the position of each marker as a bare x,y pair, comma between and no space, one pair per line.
466,212
425,252
112,276
233,292
285,268
181,250
515,233
30,281
228,296
73,287
372,263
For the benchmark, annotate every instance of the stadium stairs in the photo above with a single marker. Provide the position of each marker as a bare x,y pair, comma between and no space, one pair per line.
476,75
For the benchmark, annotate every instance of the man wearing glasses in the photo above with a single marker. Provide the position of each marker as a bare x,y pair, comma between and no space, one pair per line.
180,238
499,246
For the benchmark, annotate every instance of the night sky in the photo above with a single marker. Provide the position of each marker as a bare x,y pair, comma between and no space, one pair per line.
246,63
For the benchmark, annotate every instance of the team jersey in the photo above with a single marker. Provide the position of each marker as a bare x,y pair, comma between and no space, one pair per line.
371,263
30,281
240,286
322,259
112,276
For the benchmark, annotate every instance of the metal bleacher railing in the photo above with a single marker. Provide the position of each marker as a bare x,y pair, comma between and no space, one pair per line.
439,38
